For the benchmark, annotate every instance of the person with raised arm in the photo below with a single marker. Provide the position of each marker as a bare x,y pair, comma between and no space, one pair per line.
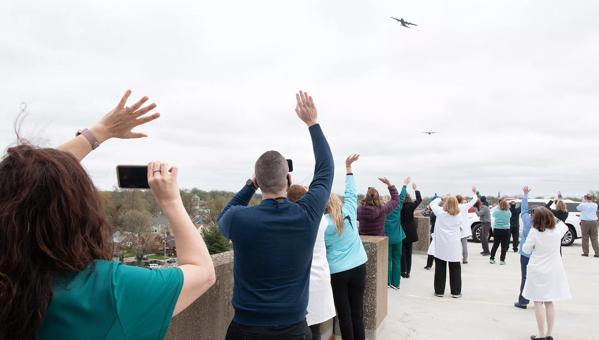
546,281
466,231
524,257
588,224
396,235
447,245
56,249
484,213
410,227
515,224
373,212
347,257
501,231
274,241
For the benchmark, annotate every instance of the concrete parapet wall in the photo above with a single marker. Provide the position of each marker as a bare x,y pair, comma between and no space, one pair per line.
209,316
424,235
375,295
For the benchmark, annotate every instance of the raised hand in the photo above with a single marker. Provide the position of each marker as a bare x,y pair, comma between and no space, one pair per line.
474,189
305,108
407,180
526,190
119,122
414,186
386,181
350,159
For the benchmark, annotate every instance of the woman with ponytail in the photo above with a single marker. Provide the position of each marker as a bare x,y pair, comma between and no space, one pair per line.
347,257
57,277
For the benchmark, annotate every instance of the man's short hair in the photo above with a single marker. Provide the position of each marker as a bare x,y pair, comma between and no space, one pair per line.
271,172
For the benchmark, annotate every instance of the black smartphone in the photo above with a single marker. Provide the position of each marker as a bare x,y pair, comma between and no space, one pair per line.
132,176
290,165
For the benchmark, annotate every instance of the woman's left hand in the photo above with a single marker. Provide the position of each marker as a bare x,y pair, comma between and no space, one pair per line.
119,122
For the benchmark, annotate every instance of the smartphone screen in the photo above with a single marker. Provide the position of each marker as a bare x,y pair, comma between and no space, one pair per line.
132,176
290,165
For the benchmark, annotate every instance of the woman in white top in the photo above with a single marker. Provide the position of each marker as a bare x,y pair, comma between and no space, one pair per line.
546,279
321,306
466,231
447,245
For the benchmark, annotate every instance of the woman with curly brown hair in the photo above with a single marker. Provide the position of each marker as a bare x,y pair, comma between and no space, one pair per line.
57,279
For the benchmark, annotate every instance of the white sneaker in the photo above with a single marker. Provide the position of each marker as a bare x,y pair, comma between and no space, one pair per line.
502,263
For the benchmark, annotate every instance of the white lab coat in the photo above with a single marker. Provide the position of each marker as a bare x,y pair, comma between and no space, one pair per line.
321,306
464,207
546,277
446,239
431,247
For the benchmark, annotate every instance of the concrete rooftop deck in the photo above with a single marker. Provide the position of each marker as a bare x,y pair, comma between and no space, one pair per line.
486,309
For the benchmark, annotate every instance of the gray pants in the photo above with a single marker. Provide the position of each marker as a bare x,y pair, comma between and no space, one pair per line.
465,249
484,236
589,230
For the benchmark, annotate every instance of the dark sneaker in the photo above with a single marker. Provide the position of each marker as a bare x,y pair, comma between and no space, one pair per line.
587,255
519,305
427,268
465,262
596,255
438,295
485,254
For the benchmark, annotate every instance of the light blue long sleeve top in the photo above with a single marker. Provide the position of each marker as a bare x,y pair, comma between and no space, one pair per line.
502,219
527,222
588,211
345,251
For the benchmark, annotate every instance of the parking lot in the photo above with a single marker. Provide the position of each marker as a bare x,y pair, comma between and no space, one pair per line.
486,309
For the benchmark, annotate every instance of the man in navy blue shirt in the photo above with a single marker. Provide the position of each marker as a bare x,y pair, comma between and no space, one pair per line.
273,241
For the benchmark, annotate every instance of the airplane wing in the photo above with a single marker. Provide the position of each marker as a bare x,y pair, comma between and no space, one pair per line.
395,18
409,23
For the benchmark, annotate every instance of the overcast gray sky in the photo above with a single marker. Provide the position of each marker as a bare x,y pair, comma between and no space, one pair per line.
512,86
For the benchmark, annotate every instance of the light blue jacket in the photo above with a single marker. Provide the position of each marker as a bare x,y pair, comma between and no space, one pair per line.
527,224
345,251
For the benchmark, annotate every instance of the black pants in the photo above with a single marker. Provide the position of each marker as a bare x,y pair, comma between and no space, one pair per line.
430,260
455,277
348,293
500,236
315,331
298,331
406,257
515,231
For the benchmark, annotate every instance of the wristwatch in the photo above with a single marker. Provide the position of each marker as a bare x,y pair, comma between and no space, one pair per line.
251,184
90,138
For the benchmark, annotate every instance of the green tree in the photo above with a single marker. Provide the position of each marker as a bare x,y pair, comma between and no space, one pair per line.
215,241
138,223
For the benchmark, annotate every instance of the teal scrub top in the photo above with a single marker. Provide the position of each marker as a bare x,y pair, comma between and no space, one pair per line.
109,300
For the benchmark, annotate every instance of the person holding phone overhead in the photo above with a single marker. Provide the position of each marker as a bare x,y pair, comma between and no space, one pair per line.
56,250
274,241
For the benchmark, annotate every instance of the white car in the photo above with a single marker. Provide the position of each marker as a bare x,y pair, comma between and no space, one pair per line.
573,220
